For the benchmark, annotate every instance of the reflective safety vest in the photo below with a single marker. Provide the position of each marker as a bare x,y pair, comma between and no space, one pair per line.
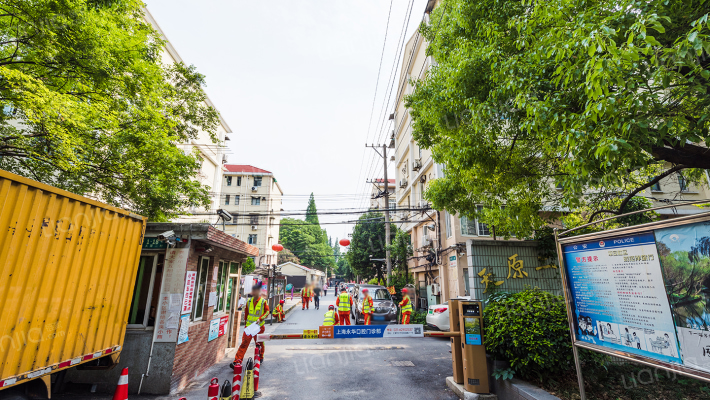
305,292
279,309
329,318
344,303
366,308
255,311
407,307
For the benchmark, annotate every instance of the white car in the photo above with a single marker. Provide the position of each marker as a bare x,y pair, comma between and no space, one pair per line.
438,316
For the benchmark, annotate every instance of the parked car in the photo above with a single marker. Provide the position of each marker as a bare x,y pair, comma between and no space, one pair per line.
437,316
385,309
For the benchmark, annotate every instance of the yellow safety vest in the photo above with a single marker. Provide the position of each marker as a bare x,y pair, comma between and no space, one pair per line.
366,309
408,306
305,293
329,318
255,311
344,303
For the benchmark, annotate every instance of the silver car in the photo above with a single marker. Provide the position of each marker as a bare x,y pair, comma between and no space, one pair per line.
385,310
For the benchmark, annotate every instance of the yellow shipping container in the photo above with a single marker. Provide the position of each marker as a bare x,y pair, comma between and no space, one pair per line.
67,270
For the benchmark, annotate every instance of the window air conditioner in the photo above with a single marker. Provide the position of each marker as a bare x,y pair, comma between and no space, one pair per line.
417,165
254,188
423,204
403,183
254,227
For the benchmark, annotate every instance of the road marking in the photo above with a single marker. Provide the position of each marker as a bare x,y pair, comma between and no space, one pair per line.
401,364
340,348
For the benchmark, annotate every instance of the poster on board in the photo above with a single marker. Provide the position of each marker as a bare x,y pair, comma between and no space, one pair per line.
214,330
619,296
685,257
172,285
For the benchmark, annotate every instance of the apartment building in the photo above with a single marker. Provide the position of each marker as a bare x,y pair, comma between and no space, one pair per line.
253,197
457,256
377,195
213,154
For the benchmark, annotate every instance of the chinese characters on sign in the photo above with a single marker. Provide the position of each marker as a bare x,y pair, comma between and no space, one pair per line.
214,330
517,266
223,325
168,312
190,278
487,278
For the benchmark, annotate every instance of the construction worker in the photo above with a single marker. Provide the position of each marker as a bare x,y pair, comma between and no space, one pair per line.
256,311
406,307
331,317
367,306
279,312
305,297
344,303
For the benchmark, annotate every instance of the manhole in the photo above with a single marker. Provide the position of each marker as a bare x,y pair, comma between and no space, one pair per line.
401,364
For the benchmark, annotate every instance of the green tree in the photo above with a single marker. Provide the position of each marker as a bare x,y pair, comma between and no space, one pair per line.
248,266
558,105
368,242
308,242
287,255
88,106
400,251
312,212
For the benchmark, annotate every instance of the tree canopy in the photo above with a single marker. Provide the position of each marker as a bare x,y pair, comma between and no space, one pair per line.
312,211
555,105
88,106
368,242
308,242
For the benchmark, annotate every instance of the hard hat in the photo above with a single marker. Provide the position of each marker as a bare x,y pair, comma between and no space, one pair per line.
281,301
331,307
365,290
404,290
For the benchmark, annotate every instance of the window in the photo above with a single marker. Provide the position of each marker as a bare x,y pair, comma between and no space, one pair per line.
467,285
483,228
145,296
198,303
656,187
254,219
226,200
447,220
257,181
252,239
236,199
229,181
256,201
392,204
239,181
223,291
682,183
468,226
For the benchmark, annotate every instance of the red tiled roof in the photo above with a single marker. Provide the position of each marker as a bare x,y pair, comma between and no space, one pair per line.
246,168
231,243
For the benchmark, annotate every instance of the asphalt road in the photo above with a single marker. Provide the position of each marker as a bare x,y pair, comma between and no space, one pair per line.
338,368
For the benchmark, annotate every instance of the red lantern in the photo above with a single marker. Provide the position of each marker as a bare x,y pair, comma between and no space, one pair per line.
344,242
277,247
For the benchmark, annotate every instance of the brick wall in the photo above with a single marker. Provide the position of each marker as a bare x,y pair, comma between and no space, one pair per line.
195,356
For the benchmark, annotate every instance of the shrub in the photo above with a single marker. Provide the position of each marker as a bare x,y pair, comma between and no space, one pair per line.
418,317
529,329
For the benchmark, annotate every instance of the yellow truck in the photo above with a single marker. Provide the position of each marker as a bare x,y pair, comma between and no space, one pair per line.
67,270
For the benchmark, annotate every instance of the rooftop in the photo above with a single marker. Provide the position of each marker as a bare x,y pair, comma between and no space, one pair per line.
245,168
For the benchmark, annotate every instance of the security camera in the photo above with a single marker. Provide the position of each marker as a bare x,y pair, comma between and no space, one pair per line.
166,235
225,215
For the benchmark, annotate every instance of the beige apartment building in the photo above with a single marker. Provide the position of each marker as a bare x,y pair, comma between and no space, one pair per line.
214,155
453,255
253,197
377,195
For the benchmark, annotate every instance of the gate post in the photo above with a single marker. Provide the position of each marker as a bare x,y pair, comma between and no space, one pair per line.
456,353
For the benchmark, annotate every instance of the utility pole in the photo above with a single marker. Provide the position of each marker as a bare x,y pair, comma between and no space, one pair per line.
387,209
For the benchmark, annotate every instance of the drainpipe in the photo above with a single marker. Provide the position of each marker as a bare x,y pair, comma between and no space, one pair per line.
152,343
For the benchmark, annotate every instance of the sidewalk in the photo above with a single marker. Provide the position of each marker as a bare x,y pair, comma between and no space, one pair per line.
289,305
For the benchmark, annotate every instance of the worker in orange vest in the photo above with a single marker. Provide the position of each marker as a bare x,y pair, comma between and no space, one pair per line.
367,306
279,312
305,297
344,303
406,307
256,311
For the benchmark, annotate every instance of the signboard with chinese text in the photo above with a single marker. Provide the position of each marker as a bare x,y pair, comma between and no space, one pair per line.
184,325
643,294
187,297
154,243
453,262
214,330
168,313
223,325
378,331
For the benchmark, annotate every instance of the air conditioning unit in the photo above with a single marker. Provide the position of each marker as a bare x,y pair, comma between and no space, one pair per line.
403,183
435,288
423,204
427,242
254,188
254,227
224,158
417,165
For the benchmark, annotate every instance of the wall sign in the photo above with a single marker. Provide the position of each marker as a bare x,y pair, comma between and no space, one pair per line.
187,296
453,262
644,294
171,288
214,330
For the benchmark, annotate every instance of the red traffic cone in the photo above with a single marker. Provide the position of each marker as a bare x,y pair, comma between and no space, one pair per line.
122,388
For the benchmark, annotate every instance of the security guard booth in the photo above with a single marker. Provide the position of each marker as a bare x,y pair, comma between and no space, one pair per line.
475,367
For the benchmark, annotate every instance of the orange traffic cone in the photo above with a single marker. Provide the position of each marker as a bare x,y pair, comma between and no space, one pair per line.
122,388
